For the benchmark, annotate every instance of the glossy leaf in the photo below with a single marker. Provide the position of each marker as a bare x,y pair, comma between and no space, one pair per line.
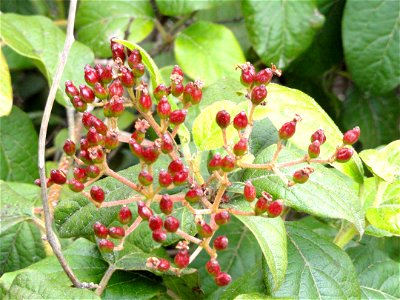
18,148
40,39
99,21
328,193
281,30
207,61
371,49
6,98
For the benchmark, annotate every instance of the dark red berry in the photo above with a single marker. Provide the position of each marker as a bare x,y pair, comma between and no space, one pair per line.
261,206
145,102
111,140
258,94
117,51
134,58
228,163
193,195
351,136
71,90
75,185
223,119
163,108
69,147
150,154
314,149
86,93
100,230
264,76
171,224
104,73
215,163
167,144
116,89
93,137
221,243
125,215
344,154
212,267
287,130
178,116
240,148
319,135
204,229
182,259
100,126
159,235
166,204
143,211
249,191
106,245
275,208
160,91
58,176
163,265
223,279
240,121
91,76
155,223
116,232
126,76
135,148
175,166
222,217
93,171
181,177
80,174
164,178
97,193
87,121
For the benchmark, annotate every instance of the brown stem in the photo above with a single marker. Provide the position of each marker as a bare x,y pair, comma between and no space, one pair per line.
218,197
238,212
122,179
188,237
279,147
122,201
106,277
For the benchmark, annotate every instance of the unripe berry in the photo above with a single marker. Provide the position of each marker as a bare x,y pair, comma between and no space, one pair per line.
70,89
204,229
150,154
100,230
86,93
212,267
84,156
138,70
300,176
91,76
163,108
87,121
287,130
160,91
80,174
143,211
134,58
261,206
159,235
258,94
104,73
249,191
58,176
164,178
264,76
99,91
319,135
166,204
275,208
99,125
93,171
228,163
182,259
314,149
193,195
240,121
175,166
178,116
97,193
75,185
167,145
215,163
117,51
125,215
177,89
222,217
78,104
111,140
116,232
138,136
116,89
163,265
145,102
223,279
240,148
221,243
351,136
223,119
69,147
181,177
171,224
93,137
135,148
187,92
114,108
106,246
145,178
155,223
344,154
126,77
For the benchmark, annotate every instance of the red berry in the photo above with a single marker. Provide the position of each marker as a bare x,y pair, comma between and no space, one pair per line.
97,193
258,94
143,211
177,89
125,215
150,154
126,76
178,116
261,206
319,135
84,156
138,135
69,147
193,195
177,70
86,93
275,208
314,149
116,89
215,163
135,148
75,185
181,177
247,77
100,126
114,108
171,224
163,265
93,137
228,163
80,174
240,121
87,121
351,136
58,176
187,92
145,178
167,144
164,178
159,235
222,217
212,267
104,73
197,94
182,259
91,76
116,232
99,91
145,102
166,204
301,176
106,245
78,104
134,58
70,89
221,243
240,148
287,130
138,70
111,140
117,51
100,230
344,154
264,76
204,229
249,191
163,108
155,223
223,279
93,171
175,166
49,182
160,91
223,119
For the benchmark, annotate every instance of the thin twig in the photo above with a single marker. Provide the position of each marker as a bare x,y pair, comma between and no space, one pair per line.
106,277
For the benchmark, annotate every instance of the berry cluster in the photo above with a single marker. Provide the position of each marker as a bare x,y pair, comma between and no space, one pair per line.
120,85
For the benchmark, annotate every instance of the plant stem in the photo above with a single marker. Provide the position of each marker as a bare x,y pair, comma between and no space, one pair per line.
188,237
122,201
345,235
195,253
106,277
122,179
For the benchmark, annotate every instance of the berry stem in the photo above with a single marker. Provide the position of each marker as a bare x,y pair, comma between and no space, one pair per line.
122,201
250,125
238,212
218,197
188,237
106,277
279,148
122,179
131,228
195,253
87,195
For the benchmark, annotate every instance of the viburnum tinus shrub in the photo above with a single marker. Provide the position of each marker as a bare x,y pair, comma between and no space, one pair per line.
168,177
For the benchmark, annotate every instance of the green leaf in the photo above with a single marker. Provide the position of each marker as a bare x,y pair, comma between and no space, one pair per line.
35,285
16,61
372,50
386,217
186,286
99,21
328,193
209,61
377,273
263,135
317,268
281,30
6,98
18,149
376,115
255,296
182,7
